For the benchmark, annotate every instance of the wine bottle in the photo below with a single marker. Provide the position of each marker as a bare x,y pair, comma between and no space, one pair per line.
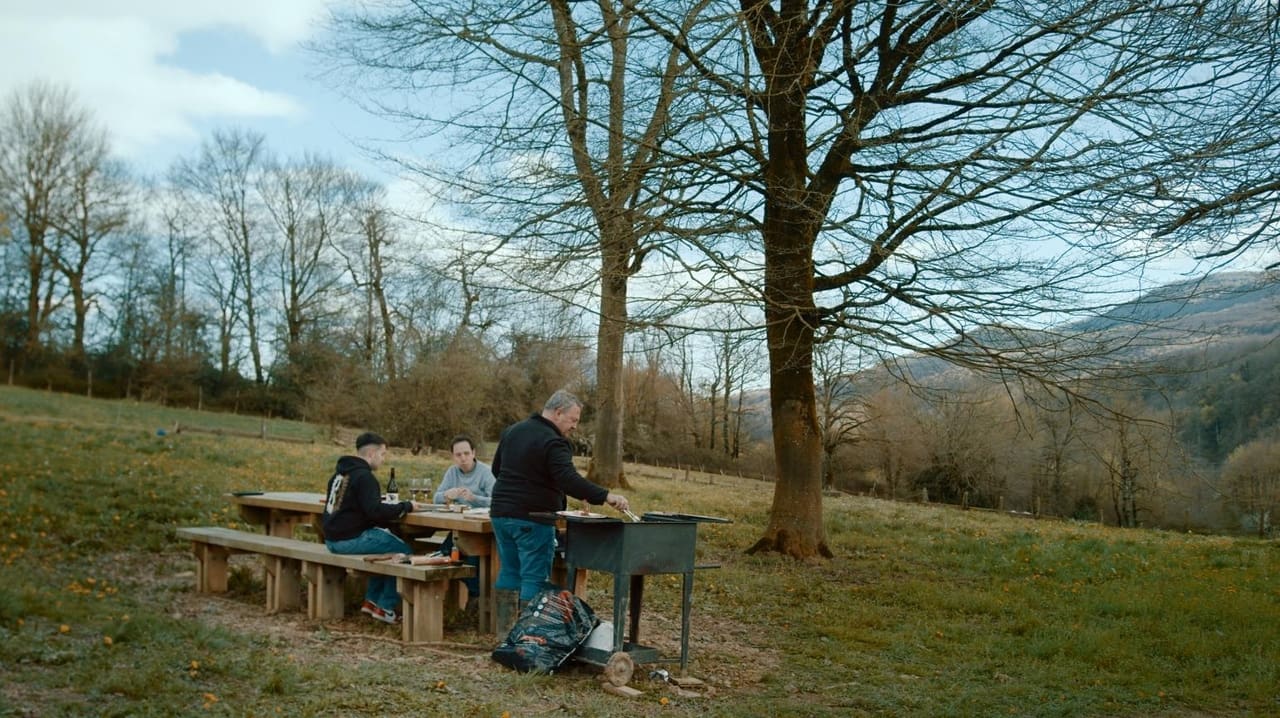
393,491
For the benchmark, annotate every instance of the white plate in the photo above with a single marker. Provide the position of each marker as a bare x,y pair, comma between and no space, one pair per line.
581,515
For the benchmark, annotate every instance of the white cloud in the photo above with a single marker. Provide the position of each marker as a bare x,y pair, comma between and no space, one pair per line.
112,56
279,24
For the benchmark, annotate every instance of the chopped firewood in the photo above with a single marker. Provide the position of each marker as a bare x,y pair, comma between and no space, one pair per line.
682,693
624,691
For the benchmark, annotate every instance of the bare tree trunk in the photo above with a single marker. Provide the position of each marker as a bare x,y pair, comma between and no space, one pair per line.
728,389
795,519
606,457
35,272
737,425
792,216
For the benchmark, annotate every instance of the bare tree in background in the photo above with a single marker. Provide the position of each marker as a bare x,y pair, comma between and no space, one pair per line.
1054,433
216,279
841,407
366,259
96,204
309,203
42,133
222,184
1251,477
1138,459
931,174
179,336
892,440
557,134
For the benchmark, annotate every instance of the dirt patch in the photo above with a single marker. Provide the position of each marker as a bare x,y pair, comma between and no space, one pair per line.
722,652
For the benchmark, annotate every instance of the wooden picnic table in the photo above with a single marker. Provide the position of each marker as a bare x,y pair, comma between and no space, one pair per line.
279,512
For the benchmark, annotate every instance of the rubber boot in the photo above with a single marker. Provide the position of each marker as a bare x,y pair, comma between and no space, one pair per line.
507,611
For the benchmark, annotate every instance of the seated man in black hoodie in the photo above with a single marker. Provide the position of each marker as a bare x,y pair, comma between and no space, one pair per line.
356,520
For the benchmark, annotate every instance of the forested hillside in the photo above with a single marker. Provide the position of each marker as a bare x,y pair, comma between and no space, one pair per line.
1186,438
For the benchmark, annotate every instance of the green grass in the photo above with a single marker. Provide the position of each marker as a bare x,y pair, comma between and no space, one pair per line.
924,611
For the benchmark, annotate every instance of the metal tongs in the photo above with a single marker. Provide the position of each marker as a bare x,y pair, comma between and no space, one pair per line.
634,519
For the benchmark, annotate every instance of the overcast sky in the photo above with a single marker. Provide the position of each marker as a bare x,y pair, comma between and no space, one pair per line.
161,74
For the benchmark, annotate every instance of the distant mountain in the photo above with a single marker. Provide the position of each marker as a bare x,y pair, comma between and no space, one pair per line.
1242,303
1215,312
1222,310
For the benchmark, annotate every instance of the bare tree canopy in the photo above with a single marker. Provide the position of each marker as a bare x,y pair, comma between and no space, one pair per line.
557,128
46,139
931,175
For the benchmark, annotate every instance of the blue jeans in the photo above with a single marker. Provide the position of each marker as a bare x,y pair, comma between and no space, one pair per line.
381,590
525,549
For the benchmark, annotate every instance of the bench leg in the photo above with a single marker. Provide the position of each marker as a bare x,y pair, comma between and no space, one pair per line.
325,594
211,567
284,579
422,604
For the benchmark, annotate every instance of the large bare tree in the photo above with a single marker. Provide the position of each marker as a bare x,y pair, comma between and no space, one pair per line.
931,175
556,135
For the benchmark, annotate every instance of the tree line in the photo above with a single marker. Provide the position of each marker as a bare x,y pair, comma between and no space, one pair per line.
241,280
1151,460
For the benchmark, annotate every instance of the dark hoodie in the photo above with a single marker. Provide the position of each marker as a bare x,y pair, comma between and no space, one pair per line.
353,502
534,468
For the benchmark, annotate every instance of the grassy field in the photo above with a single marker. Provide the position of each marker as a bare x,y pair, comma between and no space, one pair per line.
925,611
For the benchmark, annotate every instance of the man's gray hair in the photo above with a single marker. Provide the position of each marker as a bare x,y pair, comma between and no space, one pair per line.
561,400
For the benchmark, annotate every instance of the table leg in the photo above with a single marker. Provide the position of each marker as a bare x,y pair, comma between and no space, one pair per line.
282,522
483,547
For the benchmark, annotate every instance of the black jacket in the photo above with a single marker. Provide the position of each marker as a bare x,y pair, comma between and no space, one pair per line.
353,501
534,468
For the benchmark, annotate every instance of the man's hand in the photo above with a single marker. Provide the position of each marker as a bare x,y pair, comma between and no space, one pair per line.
618,501
459,493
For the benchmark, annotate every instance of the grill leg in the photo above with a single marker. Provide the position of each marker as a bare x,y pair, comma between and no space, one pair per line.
637,597
620,590
686,604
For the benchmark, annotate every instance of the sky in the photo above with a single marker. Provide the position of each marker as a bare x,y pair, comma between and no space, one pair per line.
160,75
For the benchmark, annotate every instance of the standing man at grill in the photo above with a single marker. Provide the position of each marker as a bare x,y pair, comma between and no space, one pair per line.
535,472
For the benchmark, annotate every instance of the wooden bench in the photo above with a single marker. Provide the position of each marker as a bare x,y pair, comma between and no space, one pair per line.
289,561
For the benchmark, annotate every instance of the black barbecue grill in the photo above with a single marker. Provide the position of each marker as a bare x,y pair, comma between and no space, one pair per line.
660,543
